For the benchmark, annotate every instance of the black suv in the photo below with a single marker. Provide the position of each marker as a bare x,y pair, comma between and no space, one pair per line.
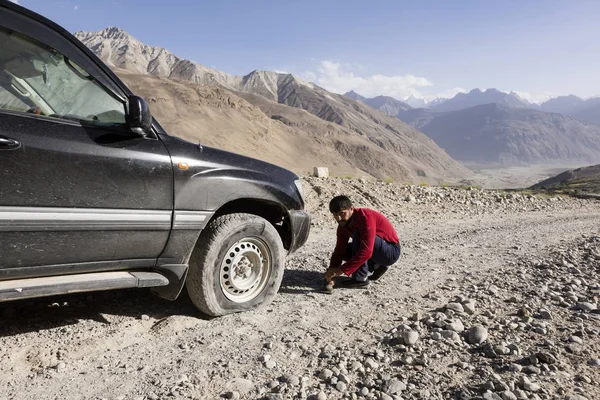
95,195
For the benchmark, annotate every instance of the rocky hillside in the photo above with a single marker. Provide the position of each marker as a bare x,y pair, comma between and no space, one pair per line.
417,117
252,125
386,104
355,96
119,49
493,133
585,180
588,111
346,135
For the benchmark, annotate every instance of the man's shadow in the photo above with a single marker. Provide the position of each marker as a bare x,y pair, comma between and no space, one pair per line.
298,281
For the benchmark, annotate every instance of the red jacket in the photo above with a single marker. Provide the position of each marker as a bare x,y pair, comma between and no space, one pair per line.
369,224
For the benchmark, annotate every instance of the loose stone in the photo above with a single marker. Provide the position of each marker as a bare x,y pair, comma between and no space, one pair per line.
477,334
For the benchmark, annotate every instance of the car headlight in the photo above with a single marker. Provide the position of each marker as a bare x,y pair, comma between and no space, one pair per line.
298,184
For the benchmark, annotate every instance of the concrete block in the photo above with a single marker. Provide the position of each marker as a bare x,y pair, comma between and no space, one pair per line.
321,172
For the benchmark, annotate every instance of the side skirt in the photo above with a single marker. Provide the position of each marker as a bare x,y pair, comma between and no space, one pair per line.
54,285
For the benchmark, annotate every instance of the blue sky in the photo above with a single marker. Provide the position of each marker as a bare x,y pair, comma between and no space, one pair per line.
429,48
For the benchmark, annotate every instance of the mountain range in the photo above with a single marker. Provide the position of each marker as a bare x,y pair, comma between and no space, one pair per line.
275,117
572,105
478,97
385,104
501,128
497,133
297,124
588,109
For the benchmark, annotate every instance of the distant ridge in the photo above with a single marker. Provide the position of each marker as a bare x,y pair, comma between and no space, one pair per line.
346,134
386,104
494,133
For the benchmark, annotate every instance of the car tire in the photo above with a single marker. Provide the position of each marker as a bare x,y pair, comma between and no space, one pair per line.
237,265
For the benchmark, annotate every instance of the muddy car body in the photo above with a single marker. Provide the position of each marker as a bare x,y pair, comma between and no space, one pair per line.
96,195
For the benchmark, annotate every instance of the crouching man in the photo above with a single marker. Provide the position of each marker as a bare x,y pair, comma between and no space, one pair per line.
374,247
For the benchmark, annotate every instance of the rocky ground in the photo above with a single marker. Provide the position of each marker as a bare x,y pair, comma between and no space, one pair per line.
495,297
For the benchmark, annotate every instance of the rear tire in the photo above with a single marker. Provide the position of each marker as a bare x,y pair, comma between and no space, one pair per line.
237,265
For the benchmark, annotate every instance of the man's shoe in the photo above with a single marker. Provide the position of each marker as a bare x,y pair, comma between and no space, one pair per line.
352,284
379,271
372,266
327,287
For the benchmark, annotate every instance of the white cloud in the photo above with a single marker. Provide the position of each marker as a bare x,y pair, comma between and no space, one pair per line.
76,8
355,66
339,78
15,1
537,99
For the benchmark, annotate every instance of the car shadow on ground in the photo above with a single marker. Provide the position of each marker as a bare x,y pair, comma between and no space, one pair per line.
298,281
33,315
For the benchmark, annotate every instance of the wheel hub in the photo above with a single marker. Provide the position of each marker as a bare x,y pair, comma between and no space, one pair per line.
245,269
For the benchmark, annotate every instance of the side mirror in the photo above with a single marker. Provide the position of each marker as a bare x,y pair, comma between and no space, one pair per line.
140,117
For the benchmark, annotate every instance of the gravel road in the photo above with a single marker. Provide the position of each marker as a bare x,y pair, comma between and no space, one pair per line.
494,297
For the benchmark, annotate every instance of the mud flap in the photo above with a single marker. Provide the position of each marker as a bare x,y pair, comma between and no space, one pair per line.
176,273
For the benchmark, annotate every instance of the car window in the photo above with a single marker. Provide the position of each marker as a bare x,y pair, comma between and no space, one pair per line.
37,78
10,101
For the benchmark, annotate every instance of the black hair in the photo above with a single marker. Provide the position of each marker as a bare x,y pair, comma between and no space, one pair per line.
339,203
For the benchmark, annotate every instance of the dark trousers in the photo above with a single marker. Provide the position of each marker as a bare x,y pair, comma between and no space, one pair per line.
384,253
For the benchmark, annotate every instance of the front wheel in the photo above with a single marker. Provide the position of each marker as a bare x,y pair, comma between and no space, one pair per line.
237,265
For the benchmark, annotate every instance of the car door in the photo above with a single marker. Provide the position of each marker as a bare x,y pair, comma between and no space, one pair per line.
77,187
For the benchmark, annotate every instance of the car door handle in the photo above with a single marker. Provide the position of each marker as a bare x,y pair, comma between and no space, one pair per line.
8,143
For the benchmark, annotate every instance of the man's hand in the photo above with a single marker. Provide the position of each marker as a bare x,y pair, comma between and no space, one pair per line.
332,273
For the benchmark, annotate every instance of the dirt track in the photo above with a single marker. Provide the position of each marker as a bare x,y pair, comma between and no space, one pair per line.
132,345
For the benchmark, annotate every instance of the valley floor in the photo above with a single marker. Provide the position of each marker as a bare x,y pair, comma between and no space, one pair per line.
507,257
514,177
